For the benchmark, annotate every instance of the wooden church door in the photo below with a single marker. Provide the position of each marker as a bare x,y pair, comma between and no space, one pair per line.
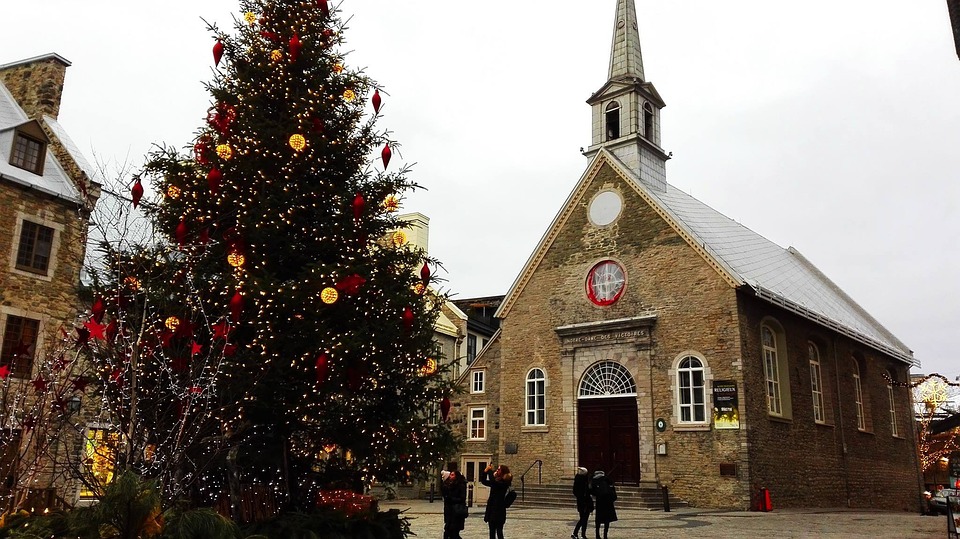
608,434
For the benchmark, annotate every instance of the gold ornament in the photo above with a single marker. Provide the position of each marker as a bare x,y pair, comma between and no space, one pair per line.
338,68
391,203
172,323
132,283
429,368
276,55
329,295
224,151
349,95
173,192
399,238
236,259
250,17
419,288
297,142
330,448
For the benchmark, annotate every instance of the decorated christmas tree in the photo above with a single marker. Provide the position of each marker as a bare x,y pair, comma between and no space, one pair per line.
280,333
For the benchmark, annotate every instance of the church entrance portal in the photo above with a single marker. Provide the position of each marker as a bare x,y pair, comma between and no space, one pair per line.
607,432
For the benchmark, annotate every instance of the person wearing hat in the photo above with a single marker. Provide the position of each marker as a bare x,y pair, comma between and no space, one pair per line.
581,491
605,494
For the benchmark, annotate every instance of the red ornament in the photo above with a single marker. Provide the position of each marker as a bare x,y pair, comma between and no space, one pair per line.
385,155
323,368
445,408
324,8
376,100
181,232
425,274
217,52
358,205
236,306
350,284
136,192
213,180
97,310
94,329
111,331
294,48
407,317
4,372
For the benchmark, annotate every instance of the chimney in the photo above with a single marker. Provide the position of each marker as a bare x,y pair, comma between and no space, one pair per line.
36,83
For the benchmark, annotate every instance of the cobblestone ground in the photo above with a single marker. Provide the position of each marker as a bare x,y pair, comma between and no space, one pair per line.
535,523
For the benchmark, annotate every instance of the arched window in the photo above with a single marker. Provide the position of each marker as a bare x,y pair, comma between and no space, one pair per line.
648,122
893,405
690,390
816,383
771,367
536,394
858,396
607,379
612,117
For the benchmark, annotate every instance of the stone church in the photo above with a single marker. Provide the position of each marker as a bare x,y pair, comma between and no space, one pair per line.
656,339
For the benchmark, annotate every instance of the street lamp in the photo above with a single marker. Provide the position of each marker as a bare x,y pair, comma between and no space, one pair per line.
73,404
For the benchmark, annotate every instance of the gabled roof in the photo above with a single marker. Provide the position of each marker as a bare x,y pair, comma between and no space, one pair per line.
55,181
745,259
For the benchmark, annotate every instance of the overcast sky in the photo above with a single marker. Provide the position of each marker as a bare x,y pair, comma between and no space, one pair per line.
830,126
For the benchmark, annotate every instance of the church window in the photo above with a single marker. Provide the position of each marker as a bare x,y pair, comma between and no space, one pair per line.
612,118
477,386
690,390
816,383
607,379
536,394
648,122
776,372
858,396
605,283
893,405
478,423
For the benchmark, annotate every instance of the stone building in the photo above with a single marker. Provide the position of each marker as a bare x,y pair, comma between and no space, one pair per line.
46,194
656,339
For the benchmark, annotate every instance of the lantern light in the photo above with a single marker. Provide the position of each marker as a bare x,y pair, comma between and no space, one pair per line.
399,238
224,151
236,259
172,323
329,295
297,142
173,192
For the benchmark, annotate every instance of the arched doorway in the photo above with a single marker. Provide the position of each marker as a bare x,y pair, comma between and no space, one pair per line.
607,431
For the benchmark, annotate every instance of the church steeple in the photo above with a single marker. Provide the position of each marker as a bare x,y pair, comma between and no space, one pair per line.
626,110
625,58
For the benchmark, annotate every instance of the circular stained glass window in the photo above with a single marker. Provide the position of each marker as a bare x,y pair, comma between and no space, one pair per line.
606,282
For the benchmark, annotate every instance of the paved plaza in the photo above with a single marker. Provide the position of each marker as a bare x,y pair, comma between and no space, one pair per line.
534,523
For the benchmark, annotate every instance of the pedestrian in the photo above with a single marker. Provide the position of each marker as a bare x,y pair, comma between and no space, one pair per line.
453,488
581,491
496,513
605,494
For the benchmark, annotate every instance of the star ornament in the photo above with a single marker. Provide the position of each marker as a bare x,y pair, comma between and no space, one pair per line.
96,329
221,330
4,372
39,384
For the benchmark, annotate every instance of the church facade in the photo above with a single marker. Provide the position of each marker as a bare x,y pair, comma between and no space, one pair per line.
651,337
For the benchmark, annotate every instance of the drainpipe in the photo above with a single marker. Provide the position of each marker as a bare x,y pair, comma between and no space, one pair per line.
843,438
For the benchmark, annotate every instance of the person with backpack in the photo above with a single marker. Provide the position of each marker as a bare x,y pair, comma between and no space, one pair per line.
454,492
605,493
581,491
499,482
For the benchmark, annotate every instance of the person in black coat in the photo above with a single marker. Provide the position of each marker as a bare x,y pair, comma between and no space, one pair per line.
581,491
604,492
453,488
496,513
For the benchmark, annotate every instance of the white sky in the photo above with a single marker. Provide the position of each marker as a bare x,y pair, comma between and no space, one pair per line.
831,126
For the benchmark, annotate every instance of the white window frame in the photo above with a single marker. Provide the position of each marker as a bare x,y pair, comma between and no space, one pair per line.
477,382
478,423
893,407
858,396
771,368
686,386
816,383
535,398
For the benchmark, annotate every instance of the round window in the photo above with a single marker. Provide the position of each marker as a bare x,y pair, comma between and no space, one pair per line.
606,282
605,208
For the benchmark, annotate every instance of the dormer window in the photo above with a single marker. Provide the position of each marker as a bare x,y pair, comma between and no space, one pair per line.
28,153
648,122
613,120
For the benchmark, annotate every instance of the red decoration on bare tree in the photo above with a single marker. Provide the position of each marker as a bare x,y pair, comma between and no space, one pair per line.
376,100
95,329
98,309
445,408
213,180
385,155
358,205
181,232
217,52
136,192
323,368
236,306
294,47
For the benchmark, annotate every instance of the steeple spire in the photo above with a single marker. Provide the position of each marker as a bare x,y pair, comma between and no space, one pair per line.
625,58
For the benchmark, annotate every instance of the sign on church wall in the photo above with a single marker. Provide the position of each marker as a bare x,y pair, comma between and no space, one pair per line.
726,412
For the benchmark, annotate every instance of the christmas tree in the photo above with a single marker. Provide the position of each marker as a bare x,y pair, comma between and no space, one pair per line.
281,333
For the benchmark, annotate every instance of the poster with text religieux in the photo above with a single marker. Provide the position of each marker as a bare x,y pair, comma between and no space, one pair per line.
726,413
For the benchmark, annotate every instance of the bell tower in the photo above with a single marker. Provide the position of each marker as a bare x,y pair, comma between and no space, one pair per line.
626,110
